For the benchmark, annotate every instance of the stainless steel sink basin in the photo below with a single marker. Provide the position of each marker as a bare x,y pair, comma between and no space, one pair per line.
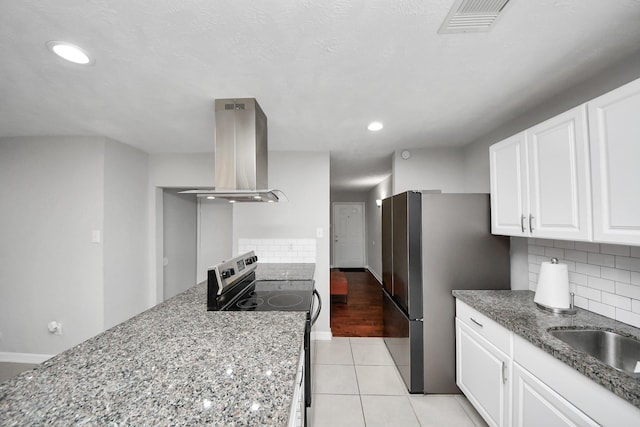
617,351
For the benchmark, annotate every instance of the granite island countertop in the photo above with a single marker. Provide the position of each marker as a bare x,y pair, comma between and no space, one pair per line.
516,311
174,364
285,271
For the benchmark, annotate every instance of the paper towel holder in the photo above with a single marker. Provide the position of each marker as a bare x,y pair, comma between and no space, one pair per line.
548,297
571,310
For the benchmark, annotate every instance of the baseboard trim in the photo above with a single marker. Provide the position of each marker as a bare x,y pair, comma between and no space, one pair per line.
24,357
321,336
374,274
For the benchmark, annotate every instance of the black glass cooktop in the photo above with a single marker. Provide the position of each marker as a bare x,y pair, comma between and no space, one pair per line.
276,295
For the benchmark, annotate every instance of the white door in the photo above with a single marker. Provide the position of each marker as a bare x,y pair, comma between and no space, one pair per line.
614,124
559,172
509,187
348,235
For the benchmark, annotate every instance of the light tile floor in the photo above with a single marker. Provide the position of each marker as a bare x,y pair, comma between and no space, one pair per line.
357,385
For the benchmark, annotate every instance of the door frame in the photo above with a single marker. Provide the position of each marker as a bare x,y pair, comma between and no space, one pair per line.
363,230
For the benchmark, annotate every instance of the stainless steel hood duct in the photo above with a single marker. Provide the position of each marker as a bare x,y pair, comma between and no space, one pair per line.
241,154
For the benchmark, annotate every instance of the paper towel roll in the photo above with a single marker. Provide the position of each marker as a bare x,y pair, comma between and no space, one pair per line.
553,285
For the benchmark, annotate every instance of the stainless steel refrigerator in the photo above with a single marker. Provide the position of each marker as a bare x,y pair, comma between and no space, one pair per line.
433,243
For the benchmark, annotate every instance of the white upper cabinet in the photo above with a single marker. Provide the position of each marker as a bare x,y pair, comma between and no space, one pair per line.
509,186
614,126
540,180
559,189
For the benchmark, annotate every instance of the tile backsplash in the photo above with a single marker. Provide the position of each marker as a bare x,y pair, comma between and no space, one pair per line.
280,250
605,278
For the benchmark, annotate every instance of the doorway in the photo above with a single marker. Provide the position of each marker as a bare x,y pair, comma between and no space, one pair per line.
348,235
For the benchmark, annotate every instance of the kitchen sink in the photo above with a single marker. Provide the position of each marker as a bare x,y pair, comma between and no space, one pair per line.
617,351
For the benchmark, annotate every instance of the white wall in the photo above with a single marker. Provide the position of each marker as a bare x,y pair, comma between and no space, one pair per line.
52,199
435,168
179,242
170,170
125,232
304,178
215,235
374,227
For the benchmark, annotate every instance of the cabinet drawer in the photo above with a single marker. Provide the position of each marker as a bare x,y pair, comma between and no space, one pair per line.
496,334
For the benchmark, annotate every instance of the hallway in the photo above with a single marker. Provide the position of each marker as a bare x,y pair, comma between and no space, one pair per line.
361,315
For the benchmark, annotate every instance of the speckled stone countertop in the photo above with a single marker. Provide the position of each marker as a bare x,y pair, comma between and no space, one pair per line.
516,311
174,364
285,271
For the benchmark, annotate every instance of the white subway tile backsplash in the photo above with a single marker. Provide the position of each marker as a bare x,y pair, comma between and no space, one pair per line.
605,278
628,263
571,265
581,302
588,269
280,250
544,242
614,249
578,256
578,279
616,301
553,253
564,244
589,293
627,290
615,274
588,247
536,250
601,259
628,317
602,284
603,309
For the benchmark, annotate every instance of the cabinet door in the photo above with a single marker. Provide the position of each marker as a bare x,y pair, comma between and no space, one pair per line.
535,404
509,193
482,374
559,175
614,125
559,189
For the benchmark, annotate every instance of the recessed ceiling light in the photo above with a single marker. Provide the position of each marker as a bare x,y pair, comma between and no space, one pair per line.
211,197
375,126
70,52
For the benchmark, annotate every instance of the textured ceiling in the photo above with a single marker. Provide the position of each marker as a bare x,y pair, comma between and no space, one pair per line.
321,70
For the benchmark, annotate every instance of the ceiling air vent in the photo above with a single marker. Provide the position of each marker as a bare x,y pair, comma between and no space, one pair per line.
468,16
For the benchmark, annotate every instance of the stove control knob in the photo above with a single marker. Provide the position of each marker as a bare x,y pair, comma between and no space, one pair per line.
227,273
249,261
255,258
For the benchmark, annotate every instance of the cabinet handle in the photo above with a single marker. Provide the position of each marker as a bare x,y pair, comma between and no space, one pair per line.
531,217
504,373
476,322
522,218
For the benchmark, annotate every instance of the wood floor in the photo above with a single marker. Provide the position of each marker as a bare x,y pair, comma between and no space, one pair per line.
361,316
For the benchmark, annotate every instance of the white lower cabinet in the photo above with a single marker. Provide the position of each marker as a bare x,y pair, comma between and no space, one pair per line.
512,382
296,414
535,404
481,373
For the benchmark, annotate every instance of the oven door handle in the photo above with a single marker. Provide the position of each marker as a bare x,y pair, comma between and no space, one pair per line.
317,313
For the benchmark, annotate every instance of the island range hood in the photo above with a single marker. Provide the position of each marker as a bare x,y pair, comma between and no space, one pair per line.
241,154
